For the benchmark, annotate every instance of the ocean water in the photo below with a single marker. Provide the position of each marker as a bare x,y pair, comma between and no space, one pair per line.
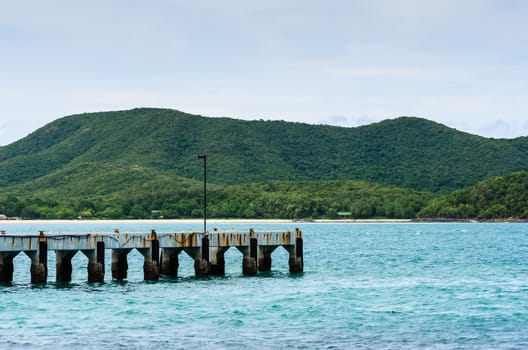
365,286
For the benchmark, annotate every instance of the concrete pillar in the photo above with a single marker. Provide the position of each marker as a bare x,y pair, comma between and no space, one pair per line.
150,270
264,258
119,263
201,265
151,262
217,261
249,262
38,270
63,264
169,261
296,261
201,261
39,263
96,269
6,267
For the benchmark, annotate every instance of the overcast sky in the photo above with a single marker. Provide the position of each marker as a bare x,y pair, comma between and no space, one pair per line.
350,62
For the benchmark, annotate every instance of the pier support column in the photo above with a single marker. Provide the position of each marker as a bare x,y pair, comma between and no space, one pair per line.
151,263
96,269
249,261
150,270
264,257
201,260
63,264
296,261
39,263
6,267
169,261
217,261
201,266
119,263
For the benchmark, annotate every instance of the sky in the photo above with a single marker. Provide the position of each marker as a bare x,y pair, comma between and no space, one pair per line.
340,62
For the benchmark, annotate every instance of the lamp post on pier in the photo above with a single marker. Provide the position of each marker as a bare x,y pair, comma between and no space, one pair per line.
204,157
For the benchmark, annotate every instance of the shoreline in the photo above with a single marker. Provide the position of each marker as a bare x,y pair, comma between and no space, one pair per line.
259,221
200,221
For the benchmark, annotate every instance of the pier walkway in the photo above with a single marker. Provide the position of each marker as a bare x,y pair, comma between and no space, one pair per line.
160,250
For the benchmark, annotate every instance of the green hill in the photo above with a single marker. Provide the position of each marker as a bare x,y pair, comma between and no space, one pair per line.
498,197
405,152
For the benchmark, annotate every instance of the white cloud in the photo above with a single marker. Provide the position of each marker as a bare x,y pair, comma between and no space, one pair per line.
338,120
502,129
341,120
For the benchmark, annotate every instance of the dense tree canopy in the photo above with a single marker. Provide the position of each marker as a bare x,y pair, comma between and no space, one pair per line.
498,197
97,191
405,152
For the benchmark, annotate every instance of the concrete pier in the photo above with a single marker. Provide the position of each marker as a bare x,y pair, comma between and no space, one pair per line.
160,251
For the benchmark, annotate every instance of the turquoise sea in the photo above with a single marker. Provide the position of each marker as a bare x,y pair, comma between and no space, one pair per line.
365,286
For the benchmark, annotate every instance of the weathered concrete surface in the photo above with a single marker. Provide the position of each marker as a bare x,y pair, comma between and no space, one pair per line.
169,262
6,270
296,260
150,270
249,266
217,261
119,264
39,262
264,263
218,267
63,265
206,249
95,272
39,273
201,267
296,264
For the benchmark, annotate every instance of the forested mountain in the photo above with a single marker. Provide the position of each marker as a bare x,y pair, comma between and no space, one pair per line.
405,152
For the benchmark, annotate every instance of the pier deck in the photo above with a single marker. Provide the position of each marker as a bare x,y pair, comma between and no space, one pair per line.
160,250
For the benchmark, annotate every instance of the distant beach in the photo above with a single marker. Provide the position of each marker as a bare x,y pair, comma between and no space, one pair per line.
209,221
255,221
